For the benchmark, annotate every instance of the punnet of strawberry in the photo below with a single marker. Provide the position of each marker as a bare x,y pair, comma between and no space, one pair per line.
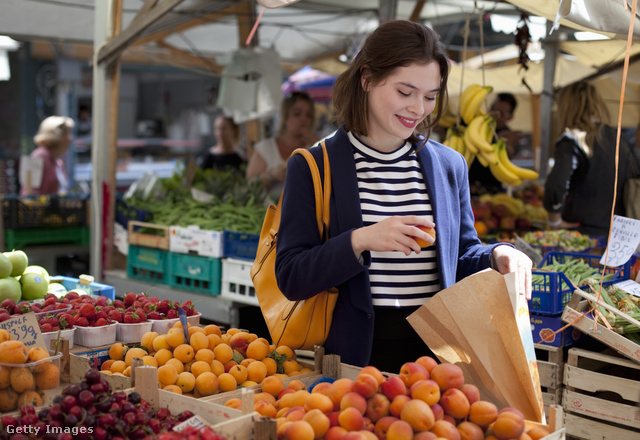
50,305
154,308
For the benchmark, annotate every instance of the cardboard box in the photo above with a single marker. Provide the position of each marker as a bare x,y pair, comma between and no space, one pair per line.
193,240
544,326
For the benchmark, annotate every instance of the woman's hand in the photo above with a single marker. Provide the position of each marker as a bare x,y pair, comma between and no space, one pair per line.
392,234
507,260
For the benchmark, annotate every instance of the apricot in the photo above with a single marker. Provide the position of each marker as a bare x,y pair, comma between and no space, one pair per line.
206,383
351,419
336,433
184,353
256,371
382,426
22,379
147,340
427,362
455,403
4,335
272,385
29,398
375,372
264,396
430,231
13,352
538,432
321,388
8,400
257,350
186,381
412,372
438,412
400,430
49,378
483,413
366,385
354,400
338,389
5,377
392,387
299,430
36,354
377,407
444,429
318,421
234,402
426,390
265,408
470,431
296,385
395,409
448,376
508,425
295,413
418,414
320,402
226,382
134,352
167,374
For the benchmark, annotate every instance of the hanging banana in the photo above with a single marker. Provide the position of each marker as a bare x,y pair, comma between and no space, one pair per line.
500,171
522,173
475,134
470,102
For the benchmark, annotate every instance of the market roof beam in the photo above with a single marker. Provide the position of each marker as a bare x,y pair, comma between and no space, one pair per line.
142,21
191,60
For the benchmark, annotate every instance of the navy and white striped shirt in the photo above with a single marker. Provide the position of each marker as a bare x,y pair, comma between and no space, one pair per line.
392,184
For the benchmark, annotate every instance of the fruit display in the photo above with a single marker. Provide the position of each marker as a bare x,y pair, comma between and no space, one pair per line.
90,409
425,400
207,362
18,280
475,139
25,373
563,240
622,301
493,212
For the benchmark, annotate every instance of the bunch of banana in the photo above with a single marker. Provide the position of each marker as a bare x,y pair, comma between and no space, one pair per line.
448,119
522,173
477,138
455,140
500,170
514,206
471,100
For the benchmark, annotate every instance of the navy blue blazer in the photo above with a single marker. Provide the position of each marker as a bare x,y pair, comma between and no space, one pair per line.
306,266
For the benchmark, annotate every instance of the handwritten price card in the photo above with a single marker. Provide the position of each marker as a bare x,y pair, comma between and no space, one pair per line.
625,237
24,328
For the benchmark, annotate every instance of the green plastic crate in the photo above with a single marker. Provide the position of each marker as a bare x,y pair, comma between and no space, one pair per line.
148,264
19,238
195,273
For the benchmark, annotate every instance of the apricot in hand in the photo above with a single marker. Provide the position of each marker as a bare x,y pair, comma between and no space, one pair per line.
430,231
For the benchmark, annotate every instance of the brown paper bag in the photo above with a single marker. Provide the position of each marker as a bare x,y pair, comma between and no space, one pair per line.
474,324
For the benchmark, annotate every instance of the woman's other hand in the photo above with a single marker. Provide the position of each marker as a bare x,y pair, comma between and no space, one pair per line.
507,259
392,234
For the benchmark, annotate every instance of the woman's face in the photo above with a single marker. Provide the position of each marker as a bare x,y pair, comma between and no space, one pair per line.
399,103
299,121
223,131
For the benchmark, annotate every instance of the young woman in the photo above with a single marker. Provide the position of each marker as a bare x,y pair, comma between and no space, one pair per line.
268,161
224,153
388,179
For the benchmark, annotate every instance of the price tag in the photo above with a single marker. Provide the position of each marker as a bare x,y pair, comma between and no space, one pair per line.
529,251
24,328
625,237
629,286
195,421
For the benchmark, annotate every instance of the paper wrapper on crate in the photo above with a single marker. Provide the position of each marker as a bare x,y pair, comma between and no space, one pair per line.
482,325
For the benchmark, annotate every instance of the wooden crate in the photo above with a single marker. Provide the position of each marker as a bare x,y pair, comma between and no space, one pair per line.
550,367
148,235
601,395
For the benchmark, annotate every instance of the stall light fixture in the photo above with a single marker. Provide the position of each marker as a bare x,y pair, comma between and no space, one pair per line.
589,36
6,44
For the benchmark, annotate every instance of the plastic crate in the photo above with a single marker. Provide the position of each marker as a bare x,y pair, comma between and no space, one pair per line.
195,273
148,234
236,281
44,211
240,245
148,264
550,298
93,288
126,212
19,238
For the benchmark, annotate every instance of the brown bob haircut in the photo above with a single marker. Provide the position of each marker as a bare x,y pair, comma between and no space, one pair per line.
396,43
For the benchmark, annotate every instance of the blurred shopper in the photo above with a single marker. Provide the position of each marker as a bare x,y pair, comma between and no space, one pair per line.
579,188
268,162
481,180
224,154
53,140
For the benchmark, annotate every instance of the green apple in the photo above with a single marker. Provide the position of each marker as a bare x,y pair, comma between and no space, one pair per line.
34,286
5,267
19,260
10,289
37,270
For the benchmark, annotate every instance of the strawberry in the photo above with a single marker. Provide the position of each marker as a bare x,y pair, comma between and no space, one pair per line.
142,317
129,299
164,306
87,299
60,306
116,315
141,296
88,311
102,301
72,295
48,308
49,301
51,295
4,317
68,319
46,328
64,324
100,322
118,304
101,315
8,304
82,322
172,314
35,308
130,318
107,309
188,307
155,315
154,299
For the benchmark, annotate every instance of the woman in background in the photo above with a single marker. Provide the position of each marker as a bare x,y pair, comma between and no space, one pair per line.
269,159
224,153
52,143
579,188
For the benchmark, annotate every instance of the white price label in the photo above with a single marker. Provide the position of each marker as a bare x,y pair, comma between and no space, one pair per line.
624,240
629,286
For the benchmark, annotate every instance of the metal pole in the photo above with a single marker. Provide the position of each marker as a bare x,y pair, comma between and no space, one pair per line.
550,45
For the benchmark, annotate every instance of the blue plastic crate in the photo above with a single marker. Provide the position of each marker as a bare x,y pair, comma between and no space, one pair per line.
126,212
195,273
240,245
148,264
92,289
550,298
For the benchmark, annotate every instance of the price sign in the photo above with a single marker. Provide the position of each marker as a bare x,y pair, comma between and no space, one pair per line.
24,328
629,286
625,237
195,421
